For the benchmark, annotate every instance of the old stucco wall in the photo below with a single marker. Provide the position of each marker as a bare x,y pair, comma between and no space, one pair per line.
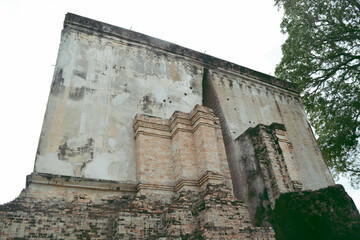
242,102
105,75
85,182
100,83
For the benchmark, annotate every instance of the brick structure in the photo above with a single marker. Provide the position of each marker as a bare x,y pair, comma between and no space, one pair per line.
267,168
144,139
184,191
182,153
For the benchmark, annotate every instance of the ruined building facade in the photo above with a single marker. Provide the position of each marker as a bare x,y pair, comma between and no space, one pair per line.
144,139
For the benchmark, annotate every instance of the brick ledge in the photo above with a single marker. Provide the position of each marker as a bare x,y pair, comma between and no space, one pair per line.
79,182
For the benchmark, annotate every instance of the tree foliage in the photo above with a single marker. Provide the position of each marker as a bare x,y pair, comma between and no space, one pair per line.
322,55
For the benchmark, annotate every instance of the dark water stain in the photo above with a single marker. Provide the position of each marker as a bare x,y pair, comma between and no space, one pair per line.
147,103
57,85
77,94
80,74
65,152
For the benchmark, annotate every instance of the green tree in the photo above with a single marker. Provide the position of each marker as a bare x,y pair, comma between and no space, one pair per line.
322,55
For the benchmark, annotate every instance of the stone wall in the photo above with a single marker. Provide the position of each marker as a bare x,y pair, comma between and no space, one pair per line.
100,83
243,102
123,153
105,75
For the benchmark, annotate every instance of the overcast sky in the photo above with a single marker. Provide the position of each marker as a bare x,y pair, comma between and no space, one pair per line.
244,32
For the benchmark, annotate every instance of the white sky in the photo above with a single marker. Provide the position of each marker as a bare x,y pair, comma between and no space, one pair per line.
243,32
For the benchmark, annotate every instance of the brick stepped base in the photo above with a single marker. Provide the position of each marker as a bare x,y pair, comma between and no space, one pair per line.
212,214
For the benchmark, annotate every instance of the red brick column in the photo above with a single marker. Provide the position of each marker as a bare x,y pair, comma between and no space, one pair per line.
185,152
154,168
204,128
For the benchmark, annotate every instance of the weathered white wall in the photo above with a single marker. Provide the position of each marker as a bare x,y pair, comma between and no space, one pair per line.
245,102
99,85
105,75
